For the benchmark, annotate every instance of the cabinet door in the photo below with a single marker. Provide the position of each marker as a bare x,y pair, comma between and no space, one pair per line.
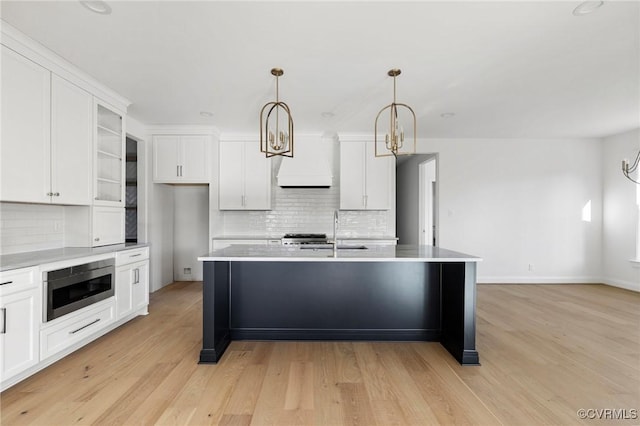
140,286
19,339
108,226
25,135
124,283
379,176
257,178
166,153
231,181
352,175
71,144
194,159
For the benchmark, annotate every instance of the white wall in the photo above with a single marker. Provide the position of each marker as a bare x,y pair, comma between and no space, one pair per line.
519,202
620,212
190,230
161,199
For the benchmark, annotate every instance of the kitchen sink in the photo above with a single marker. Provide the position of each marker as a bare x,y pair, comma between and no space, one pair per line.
330,247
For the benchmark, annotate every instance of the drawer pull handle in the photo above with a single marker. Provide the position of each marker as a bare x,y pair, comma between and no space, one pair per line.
136,255
7,282
84,326
4,321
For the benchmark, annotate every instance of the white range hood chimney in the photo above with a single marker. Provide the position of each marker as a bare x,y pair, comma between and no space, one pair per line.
310,165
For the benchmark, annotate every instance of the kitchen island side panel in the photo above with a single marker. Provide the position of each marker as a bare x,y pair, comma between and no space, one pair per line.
459,311
335,301
215,311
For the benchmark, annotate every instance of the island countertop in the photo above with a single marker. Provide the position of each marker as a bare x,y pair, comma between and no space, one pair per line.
345,253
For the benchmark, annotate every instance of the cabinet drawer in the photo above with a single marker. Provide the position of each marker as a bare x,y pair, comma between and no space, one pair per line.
17,280
134,255
64,334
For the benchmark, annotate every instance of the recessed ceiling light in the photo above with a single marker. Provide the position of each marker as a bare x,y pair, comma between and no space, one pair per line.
327,114
448,114
206,114
587,7
97,6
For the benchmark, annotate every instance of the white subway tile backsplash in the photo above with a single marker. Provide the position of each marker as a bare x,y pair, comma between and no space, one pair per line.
30,227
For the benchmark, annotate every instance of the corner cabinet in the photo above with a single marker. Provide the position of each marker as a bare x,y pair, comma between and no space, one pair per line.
46,135
367,182
245,177
181,158
109,156
20,315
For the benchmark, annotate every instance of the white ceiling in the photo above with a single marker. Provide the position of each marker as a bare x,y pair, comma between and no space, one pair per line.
506,69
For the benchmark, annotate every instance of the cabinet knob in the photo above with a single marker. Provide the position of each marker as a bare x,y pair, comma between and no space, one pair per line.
56,194
96,239
49,194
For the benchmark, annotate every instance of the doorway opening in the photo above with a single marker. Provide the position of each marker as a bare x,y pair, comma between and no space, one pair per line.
417,199
428,202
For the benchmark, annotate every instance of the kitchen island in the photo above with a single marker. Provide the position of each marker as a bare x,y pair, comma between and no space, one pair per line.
393,293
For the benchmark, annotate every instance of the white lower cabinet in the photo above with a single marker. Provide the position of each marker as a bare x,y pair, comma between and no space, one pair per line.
132,281
62,333
20,313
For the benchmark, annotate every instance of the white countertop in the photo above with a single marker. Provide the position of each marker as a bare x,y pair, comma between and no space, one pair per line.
400,253
40,257
279,236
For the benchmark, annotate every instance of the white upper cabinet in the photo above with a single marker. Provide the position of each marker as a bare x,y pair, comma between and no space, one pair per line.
181,158
366,182
46,135
245,177
25,148
71,143
93,226
109,156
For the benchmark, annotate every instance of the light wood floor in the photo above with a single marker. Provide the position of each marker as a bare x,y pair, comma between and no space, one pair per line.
546,351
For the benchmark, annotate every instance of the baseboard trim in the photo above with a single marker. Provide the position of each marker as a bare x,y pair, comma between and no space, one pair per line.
540,280
627,285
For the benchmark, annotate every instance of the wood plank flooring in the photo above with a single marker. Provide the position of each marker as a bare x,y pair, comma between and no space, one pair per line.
546,352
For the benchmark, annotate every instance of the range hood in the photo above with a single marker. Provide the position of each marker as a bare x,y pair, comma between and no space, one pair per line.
310,165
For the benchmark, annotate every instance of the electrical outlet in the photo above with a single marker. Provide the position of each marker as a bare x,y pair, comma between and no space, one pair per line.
187,271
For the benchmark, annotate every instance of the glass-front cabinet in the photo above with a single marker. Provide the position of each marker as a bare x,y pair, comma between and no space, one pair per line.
109,160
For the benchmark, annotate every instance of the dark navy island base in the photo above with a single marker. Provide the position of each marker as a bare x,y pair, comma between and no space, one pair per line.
383,298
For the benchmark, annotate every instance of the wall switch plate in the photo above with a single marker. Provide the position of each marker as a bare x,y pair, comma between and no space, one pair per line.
187,271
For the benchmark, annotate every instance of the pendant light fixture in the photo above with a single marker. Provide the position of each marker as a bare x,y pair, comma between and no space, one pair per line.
276,126
395,141
628,171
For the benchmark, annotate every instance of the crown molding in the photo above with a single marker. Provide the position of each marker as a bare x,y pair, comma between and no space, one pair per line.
22,44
